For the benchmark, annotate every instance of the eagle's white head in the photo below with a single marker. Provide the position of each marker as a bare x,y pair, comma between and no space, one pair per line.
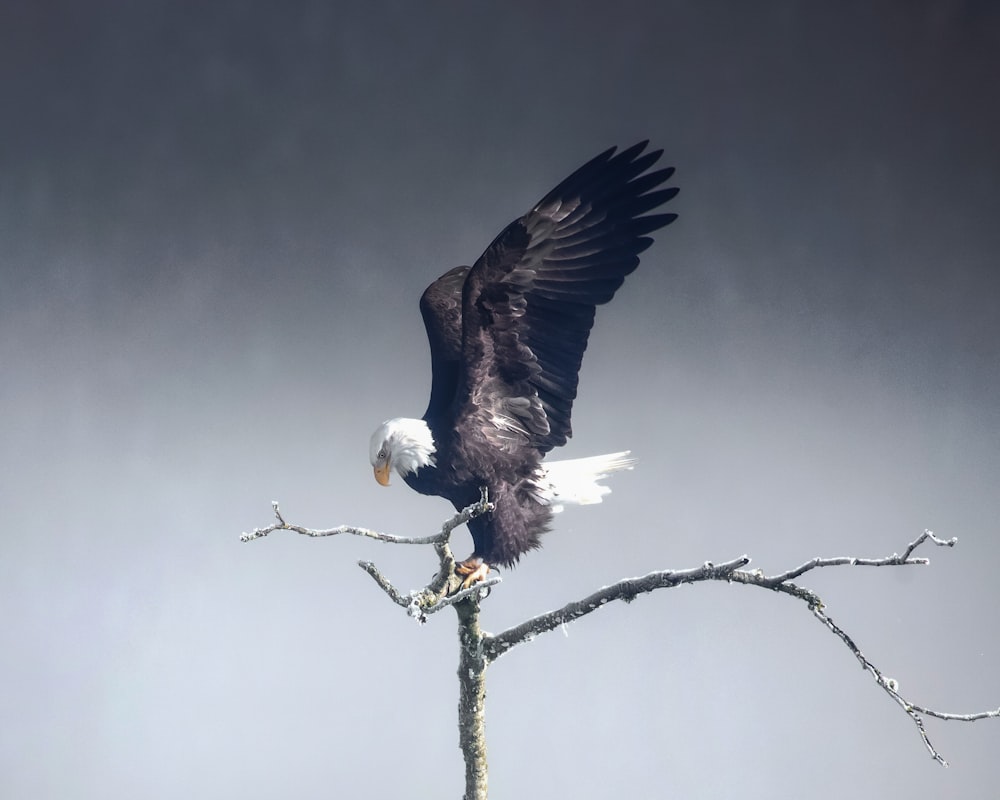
404,445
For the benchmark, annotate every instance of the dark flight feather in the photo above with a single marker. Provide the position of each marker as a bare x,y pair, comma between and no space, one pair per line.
441,308
529,302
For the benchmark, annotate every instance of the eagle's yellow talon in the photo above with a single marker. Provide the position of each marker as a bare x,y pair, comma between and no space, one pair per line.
474,569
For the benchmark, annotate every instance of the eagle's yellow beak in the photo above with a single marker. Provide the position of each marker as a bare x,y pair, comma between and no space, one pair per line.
382,474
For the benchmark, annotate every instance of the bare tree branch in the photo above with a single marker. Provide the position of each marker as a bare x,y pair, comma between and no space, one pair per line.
957,717
888,684
479,649
281,525
628,589
427,601
443,591
460,518
894,560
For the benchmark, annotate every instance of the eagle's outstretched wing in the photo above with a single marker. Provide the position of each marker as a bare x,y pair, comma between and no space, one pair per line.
529,301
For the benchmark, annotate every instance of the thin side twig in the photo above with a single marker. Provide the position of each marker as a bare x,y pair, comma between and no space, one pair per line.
888,685
978,715
419,604
895,560
281,525
480,507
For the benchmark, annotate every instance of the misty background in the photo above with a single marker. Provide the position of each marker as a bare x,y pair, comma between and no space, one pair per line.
215,223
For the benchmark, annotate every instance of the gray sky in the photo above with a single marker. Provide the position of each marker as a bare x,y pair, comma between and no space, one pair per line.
215,223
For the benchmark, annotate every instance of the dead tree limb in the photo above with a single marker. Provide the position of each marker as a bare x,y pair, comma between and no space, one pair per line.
478,649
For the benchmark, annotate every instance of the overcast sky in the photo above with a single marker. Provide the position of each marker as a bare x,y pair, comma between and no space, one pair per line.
215,223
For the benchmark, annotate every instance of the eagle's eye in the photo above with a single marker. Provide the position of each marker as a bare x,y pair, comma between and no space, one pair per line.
381,454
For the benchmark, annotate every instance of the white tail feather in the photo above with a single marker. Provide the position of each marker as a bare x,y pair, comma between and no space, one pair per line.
575,481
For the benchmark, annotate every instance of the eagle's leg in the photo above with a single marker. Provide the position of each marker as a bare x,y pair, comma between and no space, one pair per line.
474,569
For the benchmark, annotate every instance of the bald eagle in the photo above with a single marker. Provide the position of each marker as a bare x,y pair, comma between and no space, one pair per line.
507,338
